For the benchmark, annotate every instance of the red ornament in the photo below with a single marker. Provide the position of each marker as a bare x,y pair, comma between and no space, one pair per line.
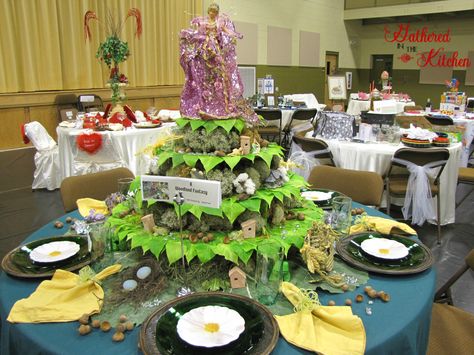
405,58
26,140
89,143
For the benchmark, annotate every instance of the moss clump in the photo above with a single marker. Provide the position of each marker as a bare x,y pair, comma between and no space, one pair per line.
226,177
209,222
262,168
255,176
201,141
261,223
170,219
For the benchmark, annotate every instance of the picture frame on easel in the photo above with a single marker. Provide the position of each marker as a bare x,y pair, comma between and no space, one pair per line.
337,87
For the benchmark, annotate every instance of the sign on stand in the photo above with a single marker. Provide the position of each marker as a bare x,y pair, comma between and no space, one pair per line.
205,193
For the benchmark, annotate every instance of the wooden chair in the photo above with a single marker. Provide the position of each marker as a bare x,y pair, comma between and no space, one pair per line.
66,105
301,114
271,133
365,187
398,174
97,185
451,330
323,154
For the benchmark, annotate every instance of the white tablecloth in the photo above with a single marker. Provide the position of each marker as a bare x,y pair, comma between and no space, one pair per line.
355,107
129,145
377,156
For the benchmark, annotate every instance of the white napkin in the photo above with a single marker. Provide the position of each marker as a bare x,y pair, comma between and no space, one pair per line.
418,133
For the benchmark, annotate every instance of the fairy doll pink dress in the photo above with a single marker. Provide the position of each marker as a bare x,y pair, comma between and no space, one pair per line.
213,88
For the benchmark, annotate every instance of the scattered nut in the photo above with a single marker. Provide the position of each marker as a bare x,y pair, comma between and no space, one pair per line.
359,298
205,239
385,297
300,216
193,238
367,288
220,153
123,318
118,336
348,302
68,219
331,303
226,239
95,323
372,293
84,319
345,287
84,329
120,328
200,235
105,326
58,224
129,326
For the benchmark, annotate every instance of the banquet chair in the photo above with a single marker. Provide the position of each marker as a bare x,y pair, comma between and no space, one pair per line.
106,157
443,295
451,330
270,133
47,173
398,175
365,187
96,185
465,176
90,102
302,115
66,105
319,147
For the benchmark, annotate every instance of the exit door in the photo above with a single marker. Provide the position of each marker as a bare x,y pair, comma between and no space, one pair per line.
380,62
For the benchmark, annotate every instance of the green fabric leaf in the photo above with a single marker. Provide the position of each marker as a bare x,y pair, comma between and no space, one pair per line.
204,252
164,156
191,251
269,247
210,162
265,195
190,160
226,251
267,156
232,161
140,239
156,245
243,254
210,126
232,210
212,211
239,125
178,159
181,122
185,207
195,124
136,184
196,211
138,198
252,204
226,124
249,244
278,195
173,251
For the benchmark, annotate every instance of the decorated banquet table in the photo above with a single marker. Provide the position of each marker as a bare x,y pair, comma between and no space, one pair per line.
125,149
399,326
355,107
376,156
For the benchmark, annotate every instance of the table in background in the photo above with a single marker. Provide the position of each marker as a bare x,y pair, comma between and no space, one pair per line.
355,107
400,326
377,157
127,143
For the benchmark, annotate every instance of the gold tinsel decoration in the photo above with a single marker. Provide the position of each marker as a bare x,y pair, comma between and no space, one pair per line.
318,252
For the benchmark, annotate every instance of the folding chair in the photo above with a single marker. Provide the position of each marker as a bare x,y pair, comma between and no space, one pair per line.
270,132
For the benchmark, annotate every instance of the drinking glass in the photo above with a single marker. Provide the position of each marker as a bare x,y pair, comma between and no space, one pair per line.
341,214
268,276
123,185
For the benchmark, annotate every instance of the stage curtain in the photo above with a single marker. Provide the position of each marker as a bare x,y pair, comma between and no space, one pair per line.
43,46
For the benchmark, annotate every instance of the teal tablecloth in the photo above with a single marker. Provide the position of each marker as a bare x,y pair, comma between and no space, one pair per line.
398,327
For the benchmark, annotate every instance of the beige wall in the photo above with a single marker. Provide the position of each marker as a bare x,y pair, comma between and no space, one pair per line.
321,16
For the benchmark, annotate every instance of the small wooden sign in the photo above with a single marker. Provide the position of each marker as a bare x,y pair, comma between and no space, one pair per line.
245,144
148,222
237,277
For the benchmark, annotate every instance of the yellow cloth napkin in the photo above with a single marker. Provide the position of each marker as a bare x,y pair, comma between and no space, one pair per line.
64,298
329,330
86,204
382,225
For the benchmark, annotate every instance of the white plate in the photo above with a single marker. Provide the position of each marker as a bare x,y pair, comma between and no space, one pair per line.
146,125
384,248
54,251
210,326
317,195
